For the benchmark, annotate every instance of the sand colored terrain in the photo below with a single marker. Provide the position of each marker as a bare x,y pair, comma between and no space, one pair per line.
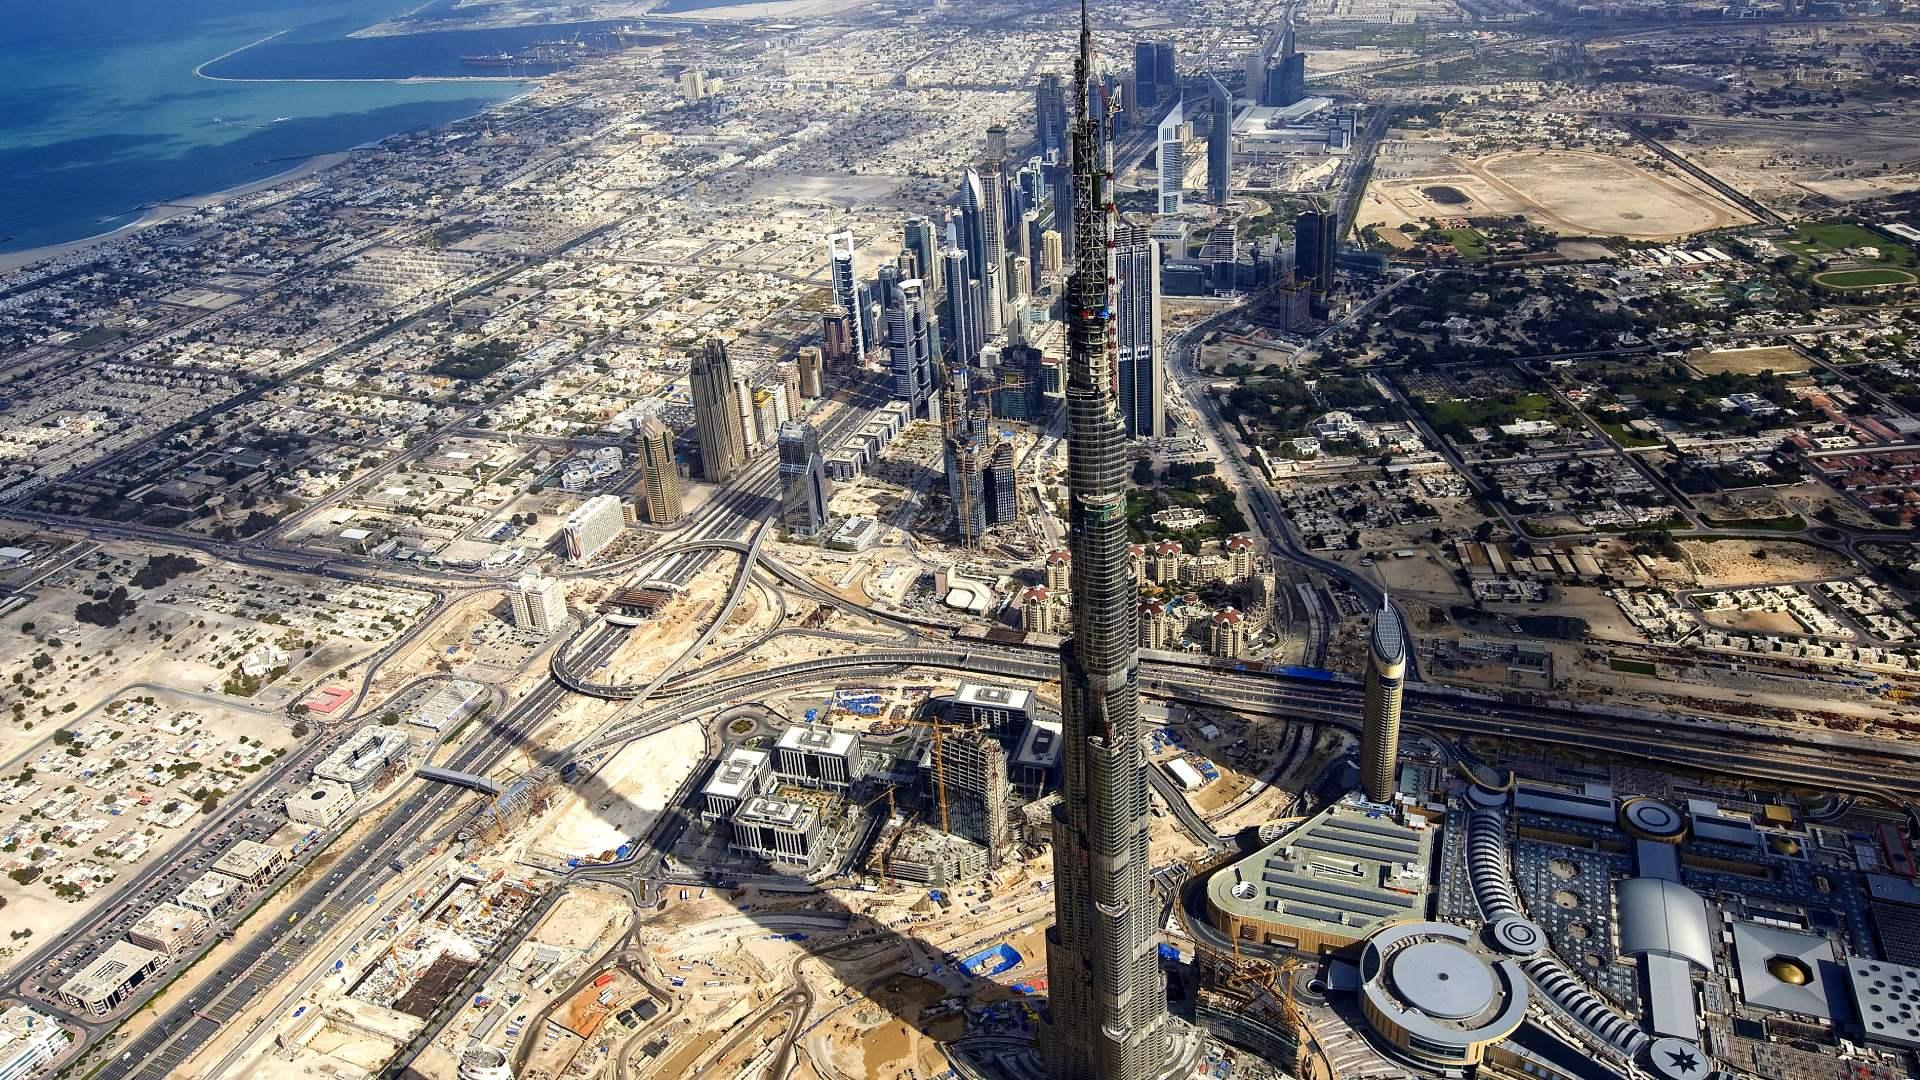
1777,359
1732,564
594,817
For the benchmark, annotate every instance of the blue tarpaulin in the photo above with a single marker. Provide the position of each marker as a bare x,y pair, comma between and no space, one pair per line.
991,960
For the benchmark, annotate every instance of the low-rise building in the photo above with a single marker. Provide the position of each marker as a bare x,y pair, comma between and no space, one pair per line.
781,831
447,704
169,929
251,862
106,982
320,804
1003,710
741,775
212,894
817,757
28,1040
359,762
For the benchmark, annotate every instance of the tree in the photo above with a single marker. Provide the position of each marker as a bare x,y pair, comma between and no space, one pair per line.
209,804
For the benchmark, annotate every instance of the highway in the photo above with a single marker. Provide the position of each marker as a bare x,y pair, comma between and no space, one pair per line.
268,956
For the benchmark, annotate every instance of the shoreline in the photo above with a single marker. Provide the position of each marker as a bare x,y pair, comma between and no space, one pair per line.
162,212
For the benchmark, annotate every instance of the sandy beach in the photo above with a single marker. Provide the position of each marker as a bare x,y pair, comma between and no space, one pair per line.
167,211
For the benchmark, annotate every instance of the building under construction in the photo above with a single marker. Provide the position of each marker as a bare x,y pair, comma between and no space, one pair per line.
1249,1004
919,853
973,767
526,796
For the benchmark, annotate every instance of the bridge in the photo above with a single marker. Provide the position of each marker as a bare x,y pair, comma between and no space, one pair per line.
458,779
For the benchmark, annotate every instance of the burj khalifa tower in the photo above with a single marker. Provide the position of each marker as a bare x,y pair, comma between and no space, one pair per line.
1107,996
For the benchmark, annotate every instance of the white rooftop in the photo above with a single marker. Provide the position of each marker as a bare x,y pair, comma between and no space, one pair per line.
819,740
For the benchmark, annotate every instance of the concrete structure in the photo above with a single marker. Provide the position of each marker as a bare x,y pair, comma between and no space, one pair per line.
659,476
1108,998
447,704
29,1039
108,980
1138,333
739,776
810,365
1002,710
781,831
592,526
1036,760
838,332
1172,161
716,422
538,604
359,762
1227,634
1437,998
973,766
1325,883
1886,997
170,929
250,862
212,894
1380,716
818,757
320,804
803,480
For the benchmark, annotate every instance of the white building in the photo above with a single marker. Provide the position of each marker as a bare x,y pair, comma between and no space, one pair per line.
1173,161
449,703
539,604
592,526
28,1040
817,757
212,894
170,929
360,760
320,804
107,981
251,862
741,775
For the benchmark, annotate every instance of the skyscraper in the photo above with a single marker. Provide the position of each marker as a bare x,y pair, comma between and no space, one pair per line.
909,349
1146,90
1002,486
803,480
1107,996
965,458
716,414
1050,114
922,248
539,604
1315,235
837,336
1219,142
1173,161
1141,373
993,225
659,480
961,312
846,288
810,365
1380,716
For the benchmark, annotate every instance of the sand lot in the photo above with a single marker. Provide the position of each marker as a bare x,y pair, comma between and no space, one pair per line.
593,817
1777,359
1574,192
1728,564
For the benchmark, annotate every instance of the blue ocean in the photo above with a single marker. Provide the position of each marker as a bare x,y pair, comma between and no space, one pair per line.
108,107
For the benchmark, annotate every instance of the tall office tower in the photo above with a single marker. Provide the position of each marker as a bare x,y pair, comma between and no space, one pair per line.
960,314
1173,161
1023,231
803,480
810,364
539,604
909,355
1315,236
972,224
965,457
1165,74
1060,189
1137,332
921,242
1050,255
716,414
1219,142
789,390
993,301
1108,997
659,480
750,439
1050,114
846,288
1146,90
993,214
837,339
1002,486
1380,715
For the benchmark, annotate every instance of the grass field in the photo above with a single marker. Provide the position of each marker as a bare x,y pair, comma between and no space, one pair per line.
1469,243
1485,412
1629,438
1864,279
1632,667
1778,359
